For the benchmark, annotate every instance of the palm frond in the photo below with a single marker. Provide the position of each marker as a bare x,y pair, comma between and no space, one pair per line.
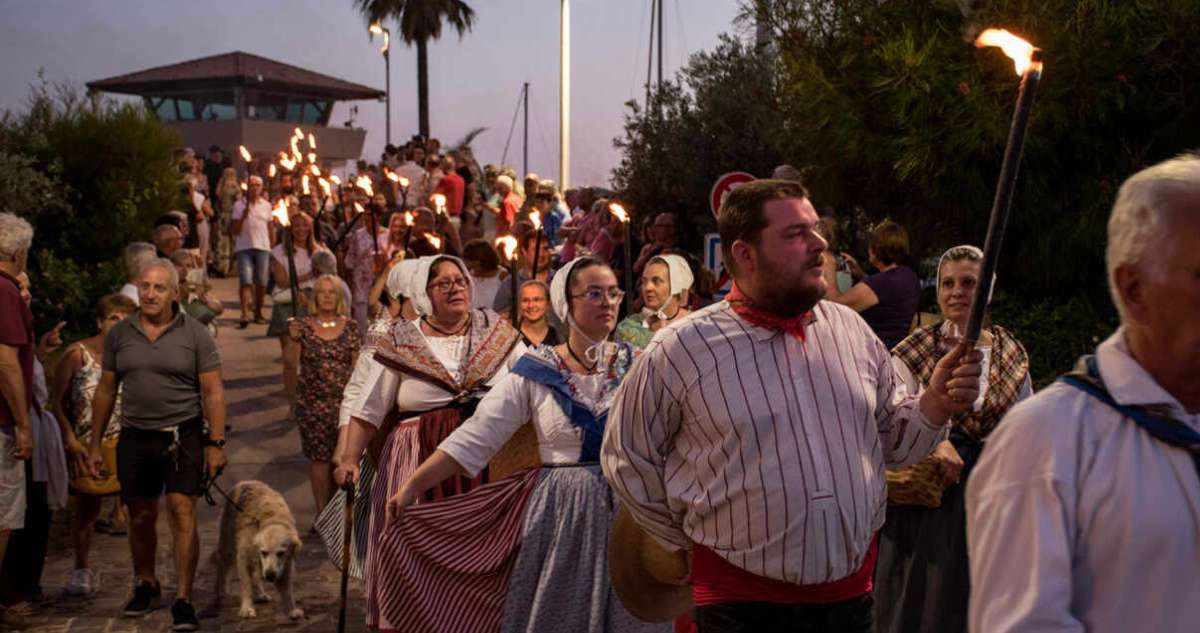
469,137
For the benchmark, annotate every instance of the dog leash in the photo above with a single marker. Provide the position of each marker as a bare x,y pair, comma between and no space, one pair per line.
206,482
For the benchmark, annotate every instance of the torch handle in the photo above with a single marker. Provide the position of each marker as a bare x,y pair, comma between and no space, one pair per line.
1002,203
629,269
293,282
537,252
512,307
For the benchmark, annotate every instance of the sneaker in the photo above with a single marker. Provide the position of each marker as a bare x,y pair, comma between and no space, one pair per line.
81,583
146,598
184,616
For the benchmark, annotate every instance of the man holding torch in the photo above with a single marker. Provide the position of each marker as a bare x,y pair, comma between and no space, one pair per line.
1083,513
756,432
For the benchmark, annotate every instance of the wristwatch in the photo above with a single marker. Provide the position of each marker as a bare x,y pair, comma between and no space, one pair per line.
217,443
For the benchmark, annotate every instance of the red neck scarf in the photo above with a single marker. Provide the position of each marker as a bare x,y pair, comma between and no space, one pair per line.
756,316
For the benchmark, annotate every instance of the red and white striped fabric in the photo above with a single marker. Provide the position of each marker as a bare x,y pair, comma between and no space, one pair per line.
767,449
445,566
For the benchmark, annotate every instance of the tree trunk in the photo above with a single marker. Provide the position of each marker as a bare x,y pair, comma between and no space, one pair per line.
423,87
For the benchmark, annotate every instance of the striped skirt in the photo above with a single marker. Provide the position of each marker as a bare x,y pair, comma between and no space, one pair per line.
402,452
528,553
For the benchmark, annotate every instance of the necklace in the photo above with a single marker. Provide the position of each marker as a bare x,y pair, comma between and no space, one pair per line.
455,332
327,324
591,369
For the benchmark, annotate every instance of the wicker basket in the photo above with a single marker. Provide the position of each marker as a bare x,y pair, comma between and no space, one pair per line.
918,485
520,453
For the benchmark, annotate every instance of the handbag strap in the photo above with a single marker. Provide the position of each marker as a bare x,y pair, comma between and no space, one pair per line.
1086,377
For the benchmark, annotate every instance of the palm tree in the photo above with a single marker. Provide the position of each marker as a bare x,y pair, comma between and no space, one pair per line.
420,21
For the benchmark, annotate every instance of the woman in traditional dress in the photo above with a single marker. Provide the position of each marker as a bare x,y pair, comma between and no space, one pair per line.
666,281
528,553
328,341
422,381
922,580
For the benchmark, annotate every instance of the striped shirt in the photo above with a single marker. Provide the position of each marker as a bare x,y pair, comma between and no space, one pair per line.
766,449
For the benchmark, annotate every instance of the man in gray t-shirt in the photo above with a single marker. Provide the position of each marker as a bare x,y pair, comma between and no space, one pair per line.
168,368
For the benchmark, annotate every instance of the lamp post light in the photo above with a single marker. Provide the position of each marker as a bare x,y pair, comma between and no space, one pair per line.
378,29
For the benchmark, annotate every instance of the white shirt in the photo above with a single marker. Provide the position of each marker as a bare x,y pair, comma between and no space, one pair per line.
303,264
384,387
507,407
362,366
1078,520
131,291
198,203
765,449
416,184
485,291
256,229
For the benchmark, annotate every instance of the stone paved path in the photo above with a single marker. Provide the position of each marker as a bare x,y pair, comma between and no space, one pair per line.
262,445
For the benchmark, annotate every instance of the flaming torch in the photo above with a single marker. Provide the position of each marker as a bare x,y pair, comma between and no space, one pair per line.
1028,63
508,246
271,170
408,221
619,211
439,202
280,215
434,241
312,142
535,217
244,152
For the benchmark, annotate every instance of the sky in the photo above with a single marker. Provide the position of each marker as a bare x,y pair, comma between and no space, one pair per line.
474,82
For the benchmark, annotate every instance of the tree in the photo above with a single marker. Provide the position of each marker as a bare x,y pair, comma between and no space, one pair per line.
890,111
420,21
90,179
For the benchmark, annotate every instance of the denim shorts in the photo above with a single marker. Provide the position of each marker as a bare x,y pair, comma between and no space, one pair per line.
253,267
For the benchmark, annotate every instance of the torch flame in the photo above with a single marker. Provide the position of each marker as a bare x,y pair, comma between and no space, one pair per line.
508,245
298,133
304,184
312,141
364,183
387,42
312,157
316,171
392,176
287,163
324,186
334,179
271,170
280,213
439,201
359,208
295,146
244,187
408,218
403,182
535,218
245,153
619,211
1020,51
434,240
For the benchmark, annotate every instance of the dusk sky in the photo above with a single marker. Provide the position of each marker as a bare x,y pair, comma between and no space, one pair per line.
474,82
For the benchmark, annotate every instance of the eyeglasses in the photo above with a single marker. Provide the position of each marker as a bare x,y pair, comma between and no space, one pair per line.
595,296
446,286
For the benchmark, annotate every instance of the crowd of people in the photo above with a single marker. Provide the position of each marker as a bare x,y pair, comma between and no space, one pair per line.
530,449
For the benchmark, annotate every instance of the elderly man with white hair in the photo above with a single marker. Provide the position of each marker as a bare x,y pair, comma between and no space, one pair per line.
16,377
136,254
1084,511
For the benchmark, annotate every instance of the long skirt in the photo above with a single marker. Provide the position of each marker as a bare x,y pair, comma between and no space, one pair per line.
528,553
922,580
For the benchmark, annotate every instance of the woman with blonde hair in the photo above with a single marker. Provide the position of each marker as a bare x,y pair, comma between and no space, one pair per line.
328,342
228,192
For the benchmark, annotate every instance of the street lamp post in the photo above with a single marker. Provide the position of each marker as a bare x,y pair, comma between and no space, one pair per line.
378,29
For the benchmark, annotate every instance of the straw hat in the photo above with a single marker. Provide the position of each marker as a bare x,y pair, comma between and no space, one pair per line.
651,582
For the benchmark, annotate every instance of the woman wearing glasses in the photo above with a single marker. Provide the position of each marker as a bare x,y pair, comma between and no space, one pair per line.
530,551
424,378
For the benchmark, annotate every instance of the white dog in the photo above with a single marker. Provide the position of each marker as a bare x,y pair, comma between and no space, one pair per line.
263,540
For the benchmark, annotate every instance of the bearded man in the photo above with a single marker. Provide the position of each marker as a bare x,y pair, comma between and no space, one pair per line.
756,432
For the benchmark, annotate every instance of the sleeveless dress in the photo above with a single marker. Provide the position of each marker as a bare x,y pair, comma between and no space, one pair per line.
83,388
324,369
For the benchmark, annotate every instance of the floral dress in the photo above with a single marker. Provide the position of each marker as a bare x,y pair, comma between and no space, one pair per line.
83,387
325,367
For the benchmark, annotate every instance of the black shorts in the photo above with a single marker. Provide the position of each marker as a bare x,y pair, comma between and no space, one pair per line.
145,465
